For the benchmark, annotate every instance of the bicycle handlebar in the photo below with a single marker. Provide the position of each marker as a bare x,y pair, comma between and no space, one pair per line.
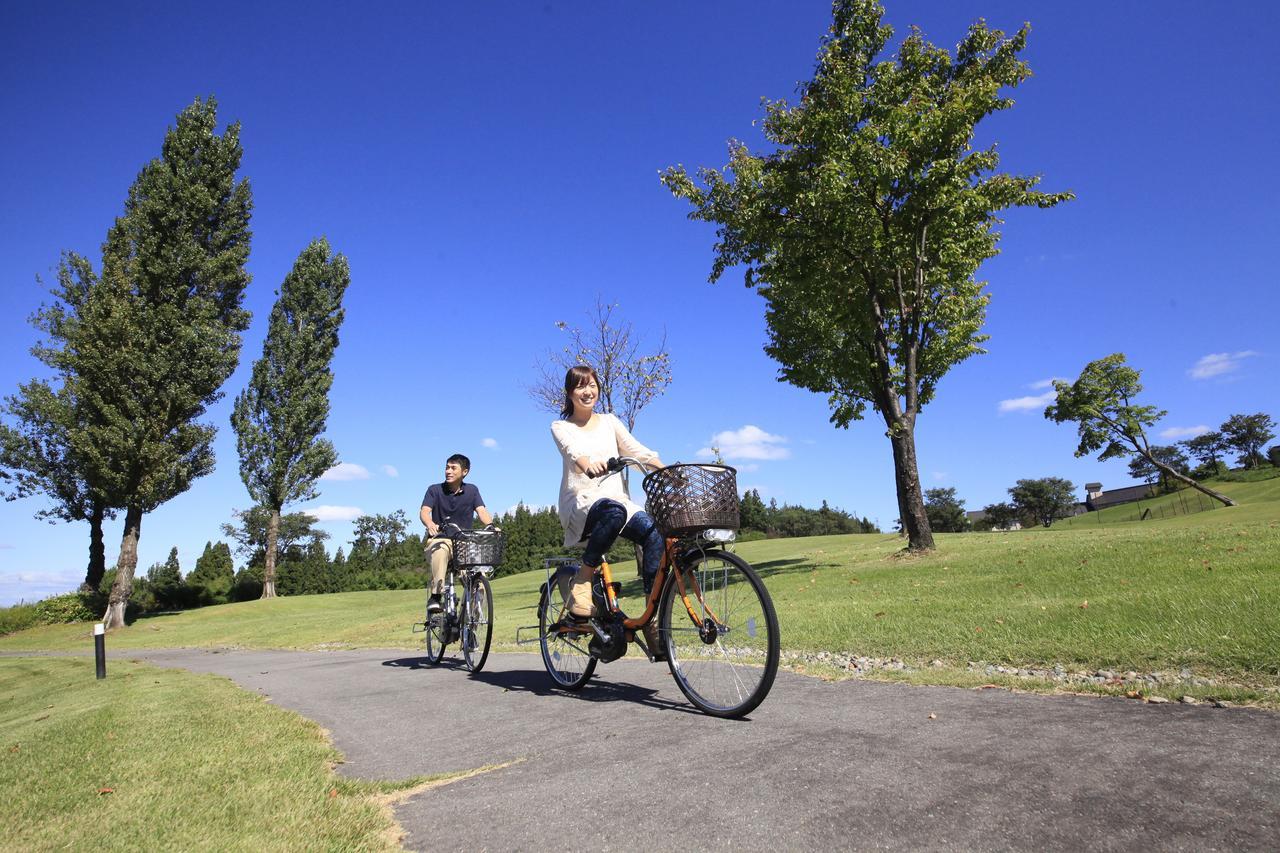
617,463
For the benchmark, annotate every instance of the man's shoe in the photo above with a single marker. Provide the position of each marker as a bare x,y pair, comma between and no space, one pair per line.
433,604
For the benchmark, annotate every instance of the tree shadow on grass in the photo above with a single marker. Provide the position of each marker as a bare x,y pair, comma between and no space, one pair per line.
791,566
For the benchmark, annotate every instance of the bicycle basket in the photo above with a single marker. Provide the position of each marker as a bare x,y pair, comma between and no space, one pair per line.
478,548
687,498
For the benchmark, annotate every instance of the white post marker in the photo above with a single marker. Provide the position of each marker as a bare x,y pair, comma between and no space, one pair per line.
100,648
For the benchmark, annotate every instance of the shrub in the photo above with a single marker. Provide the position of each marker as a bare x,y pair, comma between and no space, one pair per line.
71,607
19,617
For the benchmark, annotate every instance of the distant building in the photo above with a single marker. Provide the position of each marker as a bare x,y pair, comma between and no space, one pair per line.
1096,499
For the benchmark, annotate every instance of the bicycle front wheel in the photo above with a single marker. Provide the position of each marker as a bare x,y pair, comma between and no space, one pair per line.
564,655
477,623
726,662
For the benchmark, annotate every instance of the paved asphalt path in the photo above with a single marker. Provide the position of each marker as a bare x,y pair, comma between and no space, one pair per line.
628,764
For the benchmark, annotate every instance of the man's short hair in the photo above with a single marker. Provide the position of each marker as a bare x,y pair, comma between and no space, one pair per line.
463,462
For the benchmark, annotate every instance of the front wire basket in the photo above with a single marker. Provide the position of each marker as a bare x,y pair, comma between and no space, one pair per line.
478,548
685,498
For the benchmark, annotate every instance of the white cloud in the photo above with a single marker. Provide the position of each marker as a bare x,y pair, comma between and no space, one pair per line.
324,512
491,443
1176,433
390,470
1218,363
750,442
34,586
1028,404
5,546
1046,383
346,471
940,476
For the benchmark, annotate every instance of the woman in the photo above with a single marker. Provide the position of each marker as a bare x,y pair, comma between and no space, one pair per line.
599,510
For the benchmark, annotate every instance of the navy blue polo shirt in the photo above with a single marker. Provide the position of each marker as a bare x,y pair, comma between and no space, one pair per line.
457,508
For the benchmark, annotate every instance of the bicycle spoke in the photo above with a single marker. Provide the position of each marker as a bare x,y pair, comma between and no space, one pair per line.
727,668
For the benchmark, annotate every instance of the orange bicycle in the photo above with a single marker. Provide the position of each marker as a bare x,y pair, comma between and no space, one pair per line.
716,622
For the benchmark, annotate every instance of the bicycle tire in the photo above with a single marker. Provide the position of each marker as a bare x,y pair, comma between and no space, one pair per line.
477,622
728,674
437,633
566,659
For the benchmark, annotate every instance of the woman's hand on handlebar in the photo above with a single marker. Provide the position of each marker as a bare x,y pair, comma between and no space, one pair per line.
594,467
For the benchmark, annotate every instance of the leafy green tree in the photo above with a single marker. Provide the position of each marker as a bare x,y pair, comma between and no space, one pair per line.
1000,516
38,453
1102,404
213,574
752,514
37,456
1273,455
250,532
279,418
945,511
1247,435
160,330
864,225
1207,448
375,533
1046,499
165,581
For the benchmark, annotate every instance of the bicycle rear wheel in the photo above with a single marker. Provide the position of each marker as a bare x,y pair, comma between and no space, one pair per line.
726,664
565,656
477,623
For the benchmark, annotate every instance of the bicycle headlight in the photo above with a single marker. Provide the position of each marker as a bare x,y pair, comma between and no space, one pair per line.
718,535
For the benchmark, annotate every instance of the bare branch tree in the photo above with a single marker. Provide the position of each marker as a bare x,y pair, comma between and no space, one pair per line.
629,380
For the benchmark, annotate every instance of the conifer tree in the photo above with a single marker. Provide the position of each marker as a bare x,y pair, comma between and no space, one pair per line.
280,417
160,331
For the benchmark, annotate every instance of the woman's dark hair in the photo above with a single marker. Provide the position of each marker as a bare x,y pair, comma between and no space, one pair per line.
576,378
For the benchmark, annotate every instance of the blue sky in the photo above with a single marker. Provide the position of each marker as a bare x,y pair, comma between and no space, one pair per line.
490,169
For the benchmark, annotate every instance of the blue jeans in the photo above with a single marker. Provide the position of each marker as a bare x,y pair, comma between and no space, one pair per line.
606,520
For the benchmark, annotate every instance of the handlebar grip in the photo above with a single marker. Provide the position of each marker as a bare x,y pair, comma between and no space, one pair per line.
613,465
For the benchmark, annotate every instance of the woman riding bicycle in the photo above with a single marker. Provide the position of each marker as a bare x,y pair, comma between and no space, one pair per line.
597,511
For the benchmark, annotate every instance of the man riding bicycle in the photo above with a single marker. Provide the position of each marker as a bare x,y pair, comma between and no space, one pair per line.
451,502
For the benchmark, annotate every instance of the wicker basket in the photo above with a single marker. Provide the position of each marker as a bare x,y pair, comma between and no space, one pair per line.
478,548
684,499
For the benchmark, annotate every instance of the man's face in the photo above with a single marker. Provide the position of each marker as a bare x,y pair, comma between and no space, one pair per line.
453,473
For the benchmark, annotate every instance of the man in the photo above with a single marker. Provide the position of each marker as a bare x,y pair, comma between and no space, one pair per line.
450,502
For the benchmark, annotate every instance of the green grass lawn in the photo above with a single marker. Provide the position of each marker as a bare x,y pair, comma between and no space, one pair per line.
1198,591
161,759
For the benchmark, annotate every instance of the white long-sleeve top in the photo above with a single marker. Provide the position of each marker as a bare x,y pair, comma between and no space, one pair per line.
605,438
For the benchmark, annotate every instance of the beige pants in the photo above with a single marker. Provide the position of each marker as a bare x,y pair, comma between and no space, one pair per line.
439,552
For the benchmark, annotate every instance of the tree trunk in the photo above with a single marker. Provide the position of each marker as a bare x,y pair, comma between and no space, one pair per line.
97,551
269,572
1182,478
125,566
906,474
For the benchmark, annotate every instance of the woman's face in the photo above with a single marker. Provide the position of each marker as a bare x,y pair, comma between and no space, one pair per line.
585,396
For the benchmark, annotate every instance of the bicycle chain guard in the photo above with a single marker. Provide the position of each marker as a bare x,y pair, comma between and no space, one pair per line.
614,643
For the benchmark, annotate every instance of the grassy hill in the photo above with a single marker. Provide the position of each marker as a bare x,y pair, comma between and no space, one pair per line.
1197,592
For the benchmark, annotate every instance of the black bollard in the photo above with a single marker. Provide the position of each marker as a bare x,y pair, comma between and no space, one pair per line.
100,648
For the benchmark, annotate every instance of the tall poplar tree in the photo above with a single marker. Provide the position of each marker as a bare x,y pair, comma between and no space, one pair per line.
281,415
38,447
160,331
864,225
